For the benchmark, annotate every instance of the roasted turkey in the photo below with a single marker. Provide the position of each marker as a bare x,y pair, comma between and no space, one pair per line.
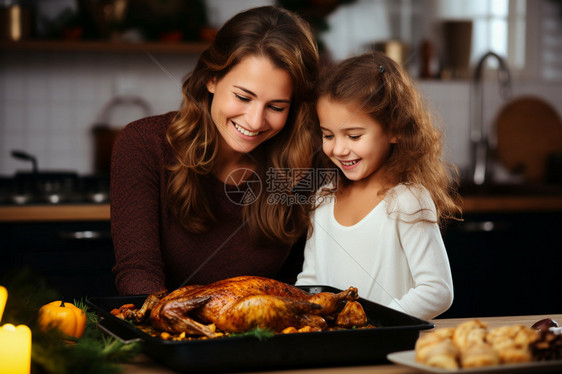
244,303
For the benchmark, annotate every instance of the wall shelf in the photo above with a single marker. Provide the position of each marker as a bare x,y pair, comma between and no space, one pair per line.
103,46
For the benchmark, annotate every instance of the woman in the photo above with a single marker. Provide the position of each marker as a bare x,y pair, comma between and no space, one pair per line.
190,189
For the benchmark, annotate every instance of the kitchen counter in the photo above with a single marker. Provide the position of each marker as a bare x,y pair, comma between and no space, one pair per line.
97,212
144,365
511,197
512,204
48,213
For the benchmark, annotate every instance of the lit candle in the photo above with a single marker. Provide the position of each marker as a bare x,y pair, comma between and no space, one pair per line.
15,344
15,349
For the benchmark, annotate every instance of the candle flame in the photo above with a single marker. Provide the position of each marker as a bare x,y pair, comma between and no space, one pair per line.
9,327
3,298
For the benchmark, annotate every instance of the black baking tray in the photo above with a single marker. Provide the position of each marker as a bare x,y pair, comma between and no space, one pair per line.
395,331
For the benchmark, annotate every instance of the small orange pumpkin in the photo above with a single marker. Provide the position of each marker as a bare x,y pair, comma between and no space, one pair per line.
66,317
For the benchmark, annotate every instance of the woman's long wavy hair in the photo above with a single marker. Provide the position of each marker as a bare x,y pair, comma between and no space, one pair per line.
288,42
385,91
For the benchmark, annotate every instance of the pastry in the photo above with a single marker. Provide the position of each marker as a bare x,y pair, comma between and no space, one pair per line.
443,355
514,354
427,341
479,354
471,345
548,346
512,342
462,332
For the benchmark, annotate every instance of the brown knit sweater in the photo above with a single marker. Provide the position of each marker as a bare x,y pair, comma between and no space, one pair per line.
152,250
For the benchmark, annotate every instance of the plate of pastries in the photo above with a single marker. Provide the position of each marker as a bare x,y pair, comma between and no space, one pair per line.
472,347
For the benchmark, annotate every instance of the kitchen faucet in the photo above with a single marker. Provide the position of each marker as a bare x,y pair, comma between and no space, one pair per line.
478,134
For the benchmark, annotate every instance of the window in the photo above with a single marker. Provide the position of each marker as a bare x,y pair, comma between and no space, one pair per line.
528,34
498,26
544,46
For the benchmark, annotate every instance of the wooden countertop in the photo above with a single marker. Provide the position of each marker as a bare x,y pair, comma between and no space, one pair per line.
512,204
100,212
145,365
62,212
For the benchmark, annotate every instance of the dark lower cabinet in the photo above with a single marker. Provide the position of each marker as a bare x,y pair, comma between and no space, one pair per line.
502,264
505,264
75,258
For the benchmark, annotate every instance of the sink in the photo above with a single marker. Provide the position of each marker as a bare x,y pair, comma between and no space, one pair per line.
510,189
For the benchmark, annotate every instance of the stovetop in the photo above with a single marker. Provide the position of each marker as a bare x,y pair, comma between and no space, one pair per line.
53,188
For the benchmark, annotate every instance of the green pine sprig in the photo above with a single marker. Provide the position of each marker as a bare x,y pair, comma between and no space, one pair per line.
259,333
52,353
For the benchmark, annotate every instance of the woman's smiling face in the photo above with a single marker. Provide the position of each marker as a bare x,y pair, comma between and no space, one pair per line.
251,103
352,139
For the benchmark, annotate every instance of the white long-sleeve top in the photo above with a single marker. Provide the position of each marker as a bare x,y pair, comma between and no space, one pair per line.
390,257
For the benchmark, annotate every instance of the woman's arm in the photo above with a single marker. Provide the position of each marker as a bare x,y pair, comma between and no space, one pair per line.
135,197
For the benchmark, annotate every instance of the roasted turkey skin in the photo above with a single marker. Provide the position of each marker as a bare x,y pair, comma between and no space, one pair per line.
241,304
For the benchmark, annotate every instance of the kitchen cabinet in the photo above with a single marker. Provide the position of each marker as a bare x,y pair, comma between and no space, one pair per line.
505,256
505,263
74,257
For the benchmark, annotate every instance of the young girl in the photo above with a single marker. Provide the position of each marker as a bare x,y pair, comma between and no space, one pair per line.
379,229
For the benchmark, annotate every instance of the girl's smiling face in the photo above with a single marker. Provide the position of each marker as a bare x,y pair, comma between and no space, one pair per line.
352,139
250,103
